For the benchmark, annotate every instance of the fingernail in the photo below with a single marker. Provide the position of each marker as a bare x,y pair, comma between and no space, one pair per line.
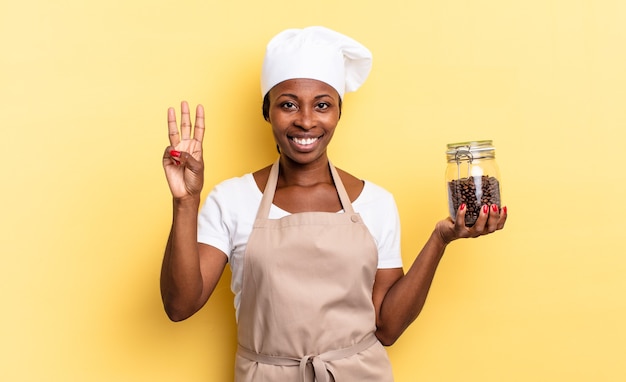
175,153
494,208
462,206
485,208
504,209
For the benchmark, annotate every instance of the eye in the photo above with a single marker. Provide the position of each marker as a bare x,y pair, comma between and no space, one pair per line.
323,105
288,105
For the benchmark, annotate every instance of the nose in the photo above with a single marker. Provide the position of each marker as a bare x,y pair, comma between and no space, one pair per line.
306,118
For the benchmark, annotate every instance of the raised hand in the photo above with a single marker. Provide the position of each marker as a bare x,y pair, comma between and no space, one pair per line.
182,160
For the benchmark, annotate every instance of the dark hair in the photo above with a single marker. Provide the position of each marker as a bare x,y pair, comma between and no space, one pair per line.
266,106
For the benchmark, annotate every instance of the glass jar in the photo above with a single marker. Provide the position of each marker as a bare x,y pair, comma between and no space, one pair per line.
472,177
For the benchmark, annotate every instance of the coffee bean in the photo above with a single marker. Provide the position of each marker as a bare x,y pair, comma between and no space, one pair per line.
475,192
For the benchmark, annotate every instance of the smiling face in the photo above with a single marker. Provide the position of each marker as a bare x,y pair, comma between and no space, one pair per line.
303,114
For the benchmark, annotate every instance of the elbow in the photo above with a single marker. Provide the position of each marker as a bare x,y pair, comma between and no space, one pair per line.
177,313
389,332
176,316
386,338
176,306
388,342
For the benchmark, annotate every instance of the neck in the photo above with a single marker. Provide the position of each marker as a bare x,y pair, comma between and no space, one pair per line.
297,174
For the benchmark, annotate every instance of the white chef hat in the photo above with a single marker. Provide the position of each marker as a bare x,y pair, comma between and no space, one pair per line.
317,53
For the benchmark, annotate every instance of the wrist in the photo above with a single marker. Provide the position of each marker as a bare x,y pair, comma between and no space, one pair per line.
186,203
439,235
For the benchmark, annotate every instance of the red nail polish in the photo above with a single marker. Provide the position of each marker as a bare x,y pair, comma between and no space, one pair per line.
504,209
462,206
494,208
175,153
485,208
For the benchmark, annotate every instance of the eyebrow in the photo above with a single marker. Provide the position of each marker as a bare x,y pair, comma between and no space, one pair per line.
296,97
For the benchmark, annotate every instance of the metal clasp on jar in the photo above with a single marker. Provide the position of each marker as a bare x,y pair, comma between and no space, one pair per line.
463,153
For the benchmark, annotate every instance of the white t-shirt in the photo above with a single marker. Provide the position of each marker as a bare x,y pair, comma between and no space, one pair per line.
226,218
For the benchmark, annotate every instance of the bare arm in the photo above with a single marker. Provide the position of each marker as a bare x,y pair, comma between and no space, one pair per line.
190,271
399,298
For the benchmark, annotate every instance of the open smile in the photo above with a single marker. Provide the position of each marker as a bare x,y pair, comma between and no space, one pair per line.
304,141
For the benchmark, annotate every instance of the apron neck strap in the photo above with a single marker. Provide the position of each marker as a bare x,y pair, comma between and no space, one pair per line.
341,190
270,189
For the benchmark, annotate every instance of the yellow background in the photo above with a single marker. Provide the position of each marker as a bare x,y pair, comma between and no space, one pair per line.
84,88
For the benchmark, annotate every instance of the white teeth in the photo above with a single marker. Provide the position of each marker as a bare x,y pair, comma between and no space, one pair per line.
304,141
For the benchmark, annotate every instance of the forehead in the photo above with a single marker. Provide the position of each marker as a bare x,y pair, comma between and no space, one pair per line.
301,87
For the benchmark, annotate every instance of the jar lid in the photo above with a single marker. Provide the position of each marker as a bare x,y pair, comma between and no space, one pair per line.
477,149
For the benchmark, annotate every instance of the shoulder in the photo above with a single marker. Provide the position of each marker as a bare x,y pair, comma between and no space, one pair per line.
234,182
234,188
377,196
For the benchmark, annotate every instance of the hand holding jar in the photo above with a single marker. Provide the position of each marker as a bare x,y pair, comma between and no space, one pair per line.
474,191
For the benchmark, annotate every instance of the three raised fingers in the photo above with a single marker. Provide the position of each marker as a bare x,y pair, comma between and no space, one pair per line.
176,135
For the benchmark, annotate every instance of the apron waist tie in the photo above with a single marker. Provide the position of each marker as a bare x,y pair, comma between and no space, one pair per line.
320,370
